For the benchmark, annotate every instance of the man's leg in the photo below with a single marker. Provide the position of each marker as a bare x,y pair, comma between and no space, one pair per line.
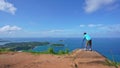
90,43
87,42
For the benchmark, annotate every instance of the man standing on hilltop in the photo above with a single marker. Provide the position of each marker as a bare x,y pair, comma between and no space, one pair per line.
88,45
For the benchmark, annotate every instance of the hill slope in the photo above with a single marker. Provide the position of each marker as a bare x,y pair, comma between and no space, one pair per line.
77,59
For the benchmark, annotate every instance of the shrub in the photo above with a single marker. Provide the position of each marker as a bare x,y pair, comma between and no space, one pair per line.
2,50
61,52
67,51
51,51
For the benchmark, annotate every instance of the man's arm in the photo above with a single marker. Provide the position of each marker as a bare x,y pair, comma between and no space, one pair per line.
83,39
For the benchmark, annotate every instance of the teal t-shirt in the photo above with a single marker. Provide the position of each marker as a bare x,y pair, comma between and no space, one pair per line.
87,37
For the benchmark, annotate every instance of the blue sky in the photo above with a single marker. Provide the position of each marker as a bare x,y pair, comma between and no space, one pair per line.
59,18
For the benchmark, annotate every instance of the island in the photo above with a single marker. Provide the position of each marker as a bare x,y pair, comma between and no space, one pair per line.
55,44
61,40
17,46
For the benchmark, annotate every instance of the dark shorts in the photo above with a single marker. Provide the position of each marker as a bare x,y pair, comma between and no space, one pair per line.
89,42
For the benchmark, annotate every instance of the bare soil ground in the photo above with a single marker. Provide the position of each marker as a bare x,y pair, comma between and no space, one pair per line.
78,59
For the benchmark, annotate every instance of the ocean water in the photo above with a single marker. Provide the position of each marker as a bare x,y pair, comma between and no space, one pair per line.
109,47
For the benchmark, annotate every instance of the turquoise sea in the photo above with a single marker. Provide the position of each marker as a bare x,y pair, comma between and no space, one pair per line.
109,47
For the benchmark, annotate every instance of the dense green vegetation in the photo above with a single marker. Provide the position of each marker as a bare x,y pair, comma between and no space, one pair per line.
4,50
57,45
22,45
50,51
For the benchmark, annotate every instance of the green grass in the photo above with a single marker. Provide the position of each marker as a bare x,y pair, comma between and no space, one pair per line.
112,63
4,50
50,51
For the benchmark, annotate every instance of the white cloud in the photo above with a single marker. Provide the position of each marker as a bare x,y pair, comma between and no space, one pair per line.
7,7
102,30
94,5
56,30
9,28
91,25
82,25
111,28
94,25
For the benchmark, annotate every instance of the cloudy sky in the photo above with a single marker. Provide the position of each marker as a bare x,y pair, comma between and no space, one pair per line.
59,18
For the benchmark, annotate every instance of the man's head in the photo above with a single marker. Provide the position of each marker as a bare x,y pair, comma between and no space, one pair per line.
85,33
